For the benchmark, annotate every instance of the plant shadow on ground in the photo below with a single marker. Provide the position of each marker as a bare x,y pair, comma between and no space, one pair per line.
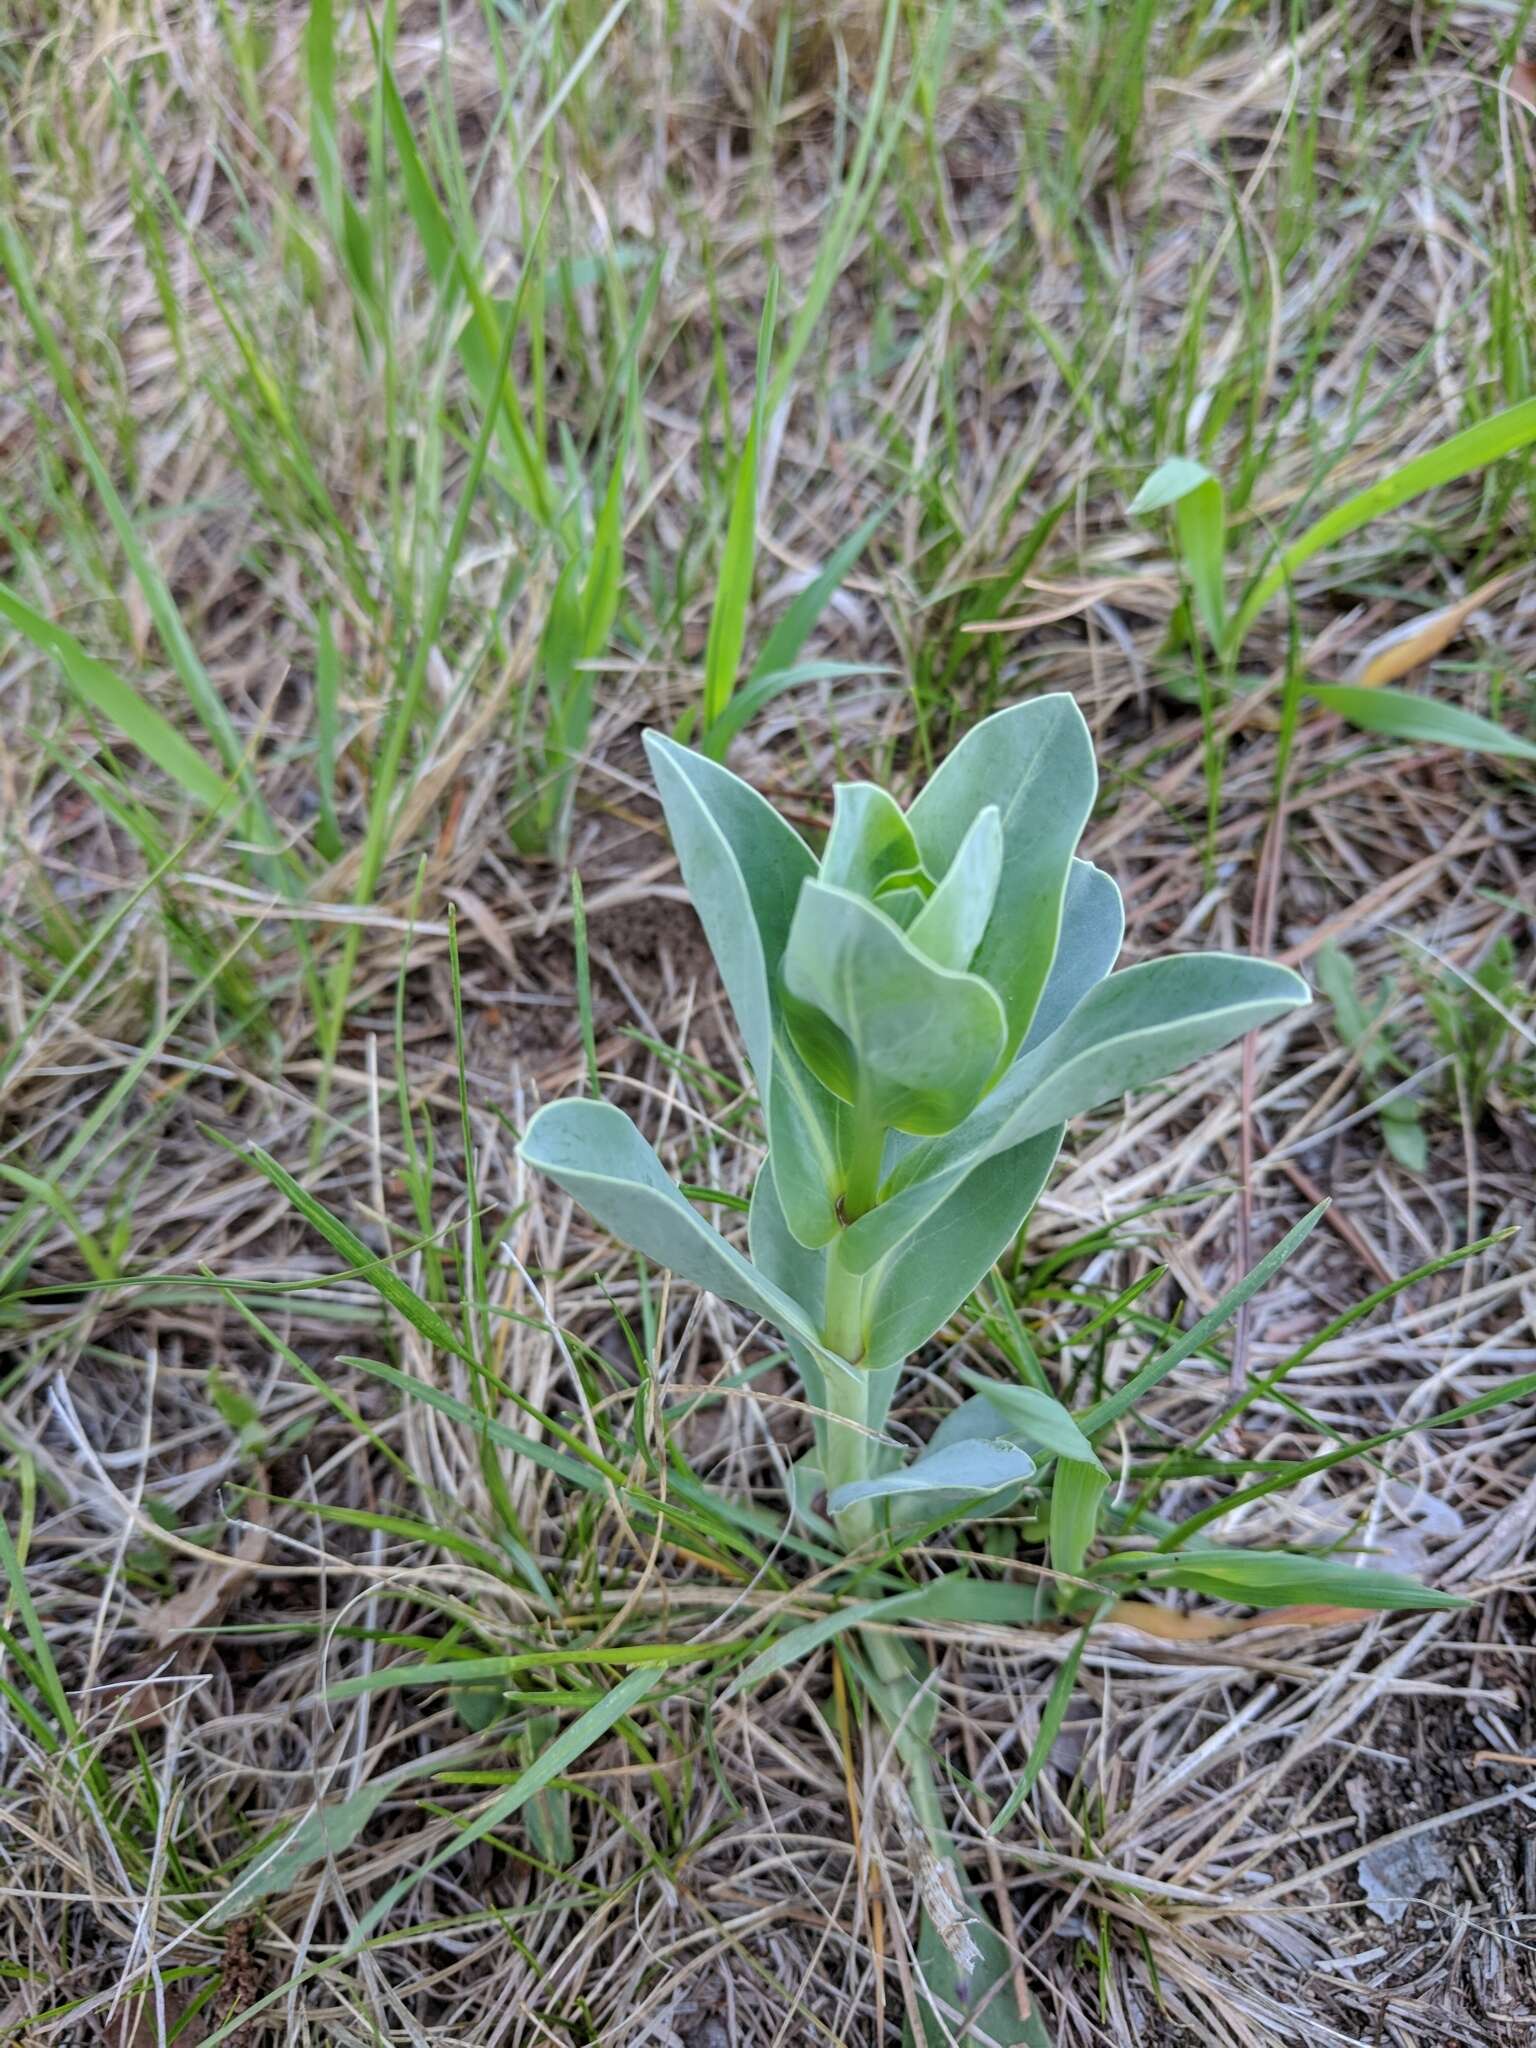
1082,250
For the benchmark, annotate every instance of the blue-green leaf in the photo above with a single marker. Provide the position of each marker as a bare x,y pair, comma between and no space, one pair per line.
869,842
912,1294
1092,926
1036,1417
801,1274
975,1467
950,925
1035,762
743,866
595,1153
878,1023
1131,1029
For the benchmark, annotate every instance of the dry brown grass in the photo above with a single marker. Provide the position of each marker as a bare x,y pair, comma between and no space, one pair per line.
1187,1868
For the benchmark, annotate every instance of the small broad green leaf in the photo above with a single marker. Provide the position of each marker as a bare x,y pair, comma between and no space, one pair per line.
881,1026
743,866
950,925
1276,1578
1035,762
321,1834
1402,716
595,1153
909,1296
967,1996
1077,1487
976,1466
971,1418
1199,518
1037,1418
1404,1134
1092,927
1338,981
870,841
478,1706
1133,1028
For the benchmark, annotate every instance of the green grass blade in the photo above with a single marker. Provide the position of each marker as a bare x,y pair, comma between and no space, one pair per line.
550,1764
1470,450
1115,1405
733,592
1401,715
105,692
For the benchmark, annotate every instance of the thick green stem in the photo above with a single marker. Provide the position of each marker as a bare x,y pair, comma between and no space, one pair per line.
861,1185
849,1448
843,1310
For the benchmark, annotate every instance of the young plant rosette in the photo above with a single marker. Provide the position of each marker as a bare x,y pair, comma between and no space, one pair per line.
924,1009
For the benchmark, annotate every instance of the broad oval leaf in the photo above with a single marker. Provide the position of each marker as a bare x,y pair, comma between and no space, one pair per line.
911,1295
1039,1418
595,1153
1035,762
950,925
1131,1029
743,866
977,1466
878,1023
870,841
1199,518
1092,927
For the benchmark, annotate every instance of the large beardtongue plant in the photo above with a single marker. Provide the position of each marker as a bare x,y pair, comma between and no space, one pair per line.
925,1007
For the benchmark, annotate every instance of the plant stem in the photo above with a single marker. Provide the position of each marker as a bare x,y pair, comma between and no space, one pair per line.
861,1187
849,1449
842,1318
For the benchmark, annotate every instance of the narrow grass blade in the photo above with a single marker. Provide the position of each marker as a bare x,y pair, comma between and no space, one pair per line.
1115,1405
733,591
100,687
781,650
1051,1718
1463,453
328,839
1403,716
564,1751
